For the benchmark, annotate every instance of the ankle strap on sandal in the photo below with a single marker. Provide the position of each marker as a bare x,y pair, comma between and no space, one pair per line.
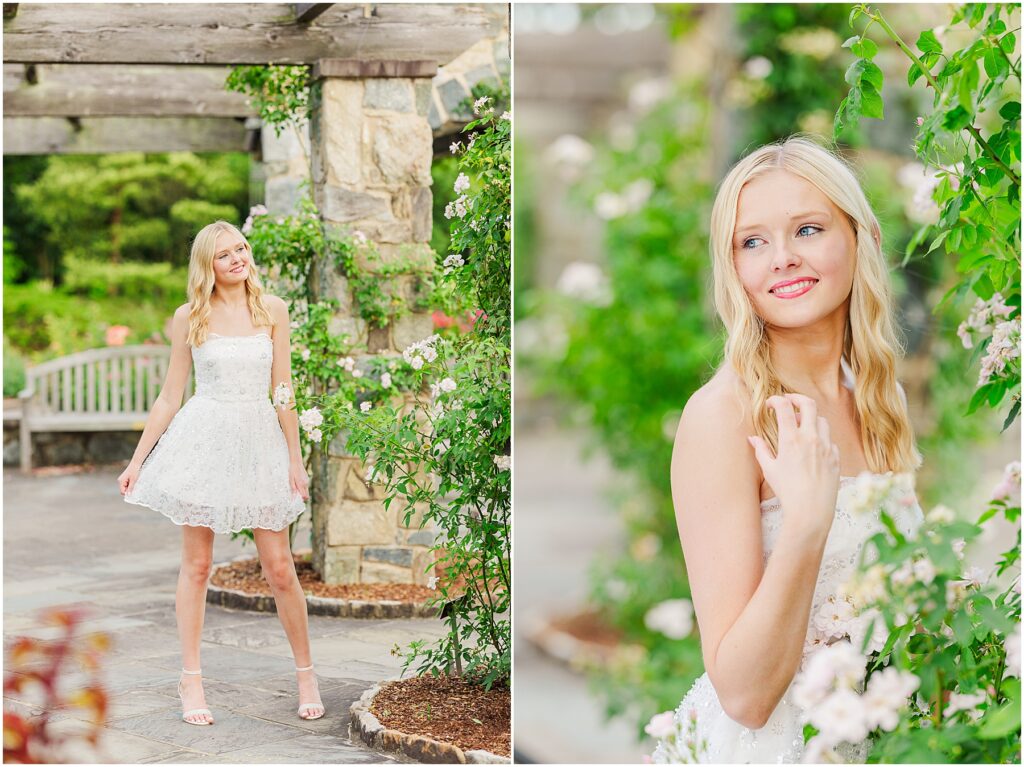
191,673
307,668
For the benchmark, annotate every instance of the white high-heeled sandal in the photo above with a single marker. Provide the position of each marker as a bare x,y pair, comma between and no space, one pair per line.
303,707
194,711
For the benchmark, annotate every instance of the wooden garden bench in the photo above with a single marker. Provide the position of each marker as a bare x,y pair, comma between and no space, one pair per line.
106,389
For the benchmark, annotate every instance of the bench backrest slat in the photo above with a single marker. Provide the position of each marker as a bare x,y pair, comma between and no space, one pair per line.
115,380
90,387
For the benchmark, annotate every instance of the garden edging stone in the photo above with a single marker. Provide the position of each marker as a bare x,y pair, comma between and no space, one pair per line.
330,606
367,728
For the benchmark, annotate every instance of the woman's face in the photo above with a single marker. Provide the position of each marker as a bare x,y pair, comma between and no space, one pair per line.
794,250
231,259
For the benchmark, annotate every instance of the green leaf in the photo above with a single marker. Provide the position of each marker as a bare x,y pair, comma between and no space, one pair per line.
1014,412
871,102
928,43
872,74
1010,110
996,65
956,119
865,48
1001,722
850,41
914,73
979,397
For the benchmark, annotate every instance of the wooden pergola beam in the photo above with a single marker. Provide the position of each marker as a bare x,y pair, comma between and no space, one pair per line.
104,135
306,12
110,90
242,33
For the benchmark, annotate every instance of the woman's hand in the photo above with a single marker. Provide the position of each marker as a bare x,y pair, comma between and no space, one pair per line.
805,473
126,482
299,479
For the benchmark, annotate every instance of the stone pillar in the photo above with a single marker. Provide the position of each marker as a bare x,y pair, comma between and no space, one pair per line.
372,149
283,168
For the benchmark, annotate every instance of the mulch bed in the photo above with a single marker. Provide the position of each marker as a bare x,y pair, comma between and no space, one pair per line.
247,576
448,709
588,627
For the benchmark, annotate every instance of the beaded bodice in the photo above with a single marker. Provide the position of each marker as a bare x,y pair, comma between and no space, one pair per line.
234,368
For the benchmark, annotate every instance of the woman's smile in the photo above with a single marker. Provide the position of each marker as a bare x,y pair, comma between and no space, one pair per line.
792,288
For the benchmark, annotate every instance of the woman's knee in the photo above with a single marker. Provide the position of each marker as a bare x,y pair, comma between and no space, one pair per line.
279,572
197,566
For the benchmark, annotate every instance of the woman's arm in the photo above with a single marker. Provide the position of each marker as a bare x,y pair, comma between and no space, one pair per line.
168,402
753,618
281,373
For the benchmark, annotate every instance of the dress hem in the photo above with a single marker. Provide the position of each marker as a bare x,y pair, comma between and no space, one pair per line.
291,518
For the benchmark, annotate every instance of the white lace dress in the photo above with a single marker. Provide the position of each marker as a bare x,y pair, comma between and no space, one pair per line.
781,740
223,460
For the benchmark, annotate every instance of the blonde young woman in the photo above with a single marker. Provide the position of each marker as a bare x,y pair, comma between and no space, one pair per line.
806,400
225,461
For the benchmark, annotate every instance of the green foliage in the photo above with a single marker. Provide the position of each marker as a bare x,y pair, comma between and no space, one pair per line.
130,206
159,282
972,139
14,370
798,43
279,92
443,173
13,266
952,632
42,322
639,339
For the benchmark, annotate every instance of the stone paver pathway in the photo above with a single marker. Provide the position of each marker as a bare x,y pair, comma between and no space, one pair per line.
71,540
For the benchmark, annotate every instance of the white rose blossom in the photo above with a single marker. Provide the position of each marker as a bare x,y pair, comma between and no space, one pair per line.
1003,347
479,105
311,419
673,618
420,352
283,396
887,694
385,380
365,406
316,435
661,725
1008,489
968,702
982,319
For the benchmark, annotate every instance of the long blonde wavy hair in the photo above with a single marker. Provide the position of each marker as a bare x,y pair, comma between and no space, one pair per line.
201,283
870,346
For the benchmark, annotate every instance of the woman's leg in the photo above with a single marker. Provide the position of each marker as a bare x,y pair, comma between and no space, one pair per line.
279,570
190,608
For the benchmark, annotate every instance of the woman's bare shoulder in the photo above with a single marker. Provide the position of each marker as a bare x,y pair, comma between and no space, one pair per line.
720,404
711,457
277,305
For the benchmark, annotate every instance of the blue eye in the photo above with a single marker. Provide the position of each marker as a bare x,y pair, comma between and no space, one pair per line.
815,230
746,242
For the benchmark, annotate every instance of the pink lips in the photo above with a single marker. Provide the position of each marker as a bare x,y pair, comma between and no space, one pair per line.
795,293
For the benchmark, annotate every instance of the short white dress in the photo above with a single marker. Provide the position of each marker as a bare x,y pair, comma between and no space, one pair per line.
223,460
781,740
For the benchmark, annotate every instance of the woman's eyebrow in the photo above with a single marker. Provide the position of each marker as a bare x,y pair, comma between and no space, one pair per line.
802,214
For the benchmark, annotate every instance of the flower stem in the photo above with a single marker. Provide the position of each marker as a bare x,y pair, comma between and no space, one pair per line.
877,17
